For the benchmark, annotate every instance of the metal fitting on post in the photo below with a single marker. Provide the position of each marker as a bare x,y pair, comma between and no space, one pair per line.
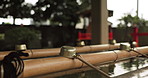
125,47
21,47
68,51
112,42
80,43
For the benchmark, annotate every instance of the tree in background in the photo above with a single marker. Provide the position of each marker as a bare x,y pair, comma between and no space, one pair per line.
59,12
129,20
125,27
15,8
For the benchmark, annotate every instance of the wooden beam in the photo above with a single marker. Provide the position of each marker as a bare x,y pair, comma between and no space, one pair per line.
99,22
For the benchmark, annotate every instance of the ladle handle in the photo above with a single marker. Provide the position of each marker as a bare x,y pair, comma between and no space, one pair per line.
92,66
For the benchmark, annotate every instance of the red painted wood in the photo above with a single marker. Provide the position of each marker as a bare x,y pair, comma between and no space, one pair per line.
84,36
135,35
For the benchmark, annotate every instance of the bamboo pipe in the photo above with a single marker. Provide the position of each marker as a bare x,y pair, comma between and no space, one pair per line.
53,52
73,71
49,65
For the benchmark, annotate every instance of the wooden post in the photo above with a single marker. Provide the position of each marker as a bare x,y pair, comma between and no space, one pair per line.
99,22
135,36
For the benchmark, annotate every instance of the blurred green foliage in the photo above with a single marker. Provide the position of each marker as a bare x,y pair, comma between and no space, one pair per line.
59,12
15,8
132,21
20,35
